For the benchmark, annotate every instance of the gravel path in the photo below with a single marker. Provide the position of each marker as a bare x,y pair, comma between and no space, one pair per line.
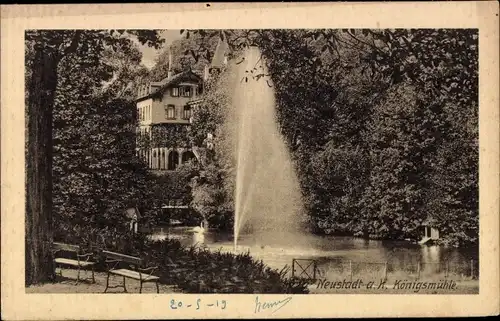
66,284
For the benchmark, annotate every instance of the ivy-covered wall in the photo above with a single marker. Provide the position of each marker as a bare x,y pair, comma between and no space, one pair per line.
166,135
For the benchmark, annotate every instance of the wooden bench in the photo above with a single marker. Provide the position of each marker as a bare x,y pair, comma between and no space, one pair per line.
135,270
82,260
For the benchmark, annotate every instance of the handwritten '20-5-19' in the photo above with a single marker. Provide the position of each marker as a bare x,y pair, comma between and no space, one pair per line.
174,305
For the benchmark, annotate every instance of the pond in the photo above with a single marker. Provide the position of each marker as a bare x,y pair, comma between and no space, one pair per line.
339,257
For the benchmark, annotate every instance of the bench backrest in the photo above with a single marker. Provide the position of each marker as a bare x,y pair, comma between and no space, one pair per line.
66,247
122,257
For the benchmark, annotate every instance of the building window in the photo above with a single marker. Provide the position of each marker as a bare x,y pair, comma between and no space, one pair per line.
186,114
170,112
199,90
185,91
175,92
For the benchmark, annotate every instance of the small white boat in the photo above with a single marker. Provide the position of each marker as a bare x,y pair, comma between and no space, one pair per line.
198,229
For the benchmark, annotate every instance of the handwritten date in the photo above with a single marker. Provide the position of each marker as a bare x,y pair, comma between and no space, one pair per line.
174,305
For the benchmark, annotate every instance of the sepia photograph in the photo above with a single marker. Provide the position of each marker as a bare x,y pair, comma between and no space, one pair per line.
249,161
252,161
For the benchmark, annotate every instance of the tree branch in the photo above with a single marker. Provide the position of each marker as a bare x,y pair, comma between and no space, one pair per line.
74,43
363,42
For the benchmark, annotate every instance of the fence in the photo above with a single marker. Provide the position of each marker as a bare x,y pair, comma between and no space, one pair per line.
306,268
313,269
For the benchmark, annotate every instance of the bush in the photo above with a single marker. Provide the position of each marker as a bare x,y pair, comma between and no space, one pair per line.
199,270
193,270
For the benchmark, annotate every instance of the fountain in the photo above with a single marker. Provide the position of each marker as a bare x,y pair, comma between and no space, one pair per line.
267,194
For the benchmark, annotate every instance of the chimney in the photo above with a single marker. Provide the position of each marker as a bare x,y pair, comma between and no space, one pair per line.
169,75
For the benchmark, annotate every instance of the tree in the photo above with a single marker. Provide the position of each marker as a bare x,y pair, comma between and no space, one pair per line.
128,71
442,65
184,56
211,197
213,189
96,171
49,48
340,176
398,140
372,118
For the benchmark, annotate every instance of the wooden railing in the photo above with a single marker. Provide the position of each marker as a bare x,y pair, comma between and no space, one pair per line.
310,269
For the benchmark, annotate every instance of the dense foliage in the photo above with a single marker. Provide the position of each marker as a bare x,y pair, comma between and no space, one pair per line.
374,119
173,136
96,172
183,54
97,175
46,53
192,270
382,126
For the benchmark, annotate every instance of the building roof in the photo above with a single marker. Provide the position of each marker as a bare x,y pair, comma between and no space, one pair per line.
166,83
185,75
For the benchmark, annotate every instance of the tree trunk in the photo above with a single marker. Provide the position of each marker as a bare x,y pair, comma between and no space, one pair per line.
38,225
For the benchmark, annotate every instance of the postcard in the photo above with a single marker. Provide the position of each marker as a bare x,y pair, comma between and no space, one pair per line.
250,160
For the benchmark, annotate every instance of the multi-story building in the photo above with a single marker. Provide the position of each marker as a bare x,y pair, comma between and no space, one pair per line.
165,110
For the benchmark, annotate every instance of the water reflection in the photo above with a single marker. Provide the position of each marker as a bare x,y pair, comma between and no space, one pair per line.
334,253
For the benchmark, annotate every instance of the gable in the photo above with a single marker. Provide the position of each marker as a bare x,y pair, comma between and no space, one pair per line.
162,86
187,76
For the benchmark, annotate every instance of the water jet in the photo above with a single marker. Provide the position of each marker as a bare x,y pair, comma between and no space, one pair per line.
268,200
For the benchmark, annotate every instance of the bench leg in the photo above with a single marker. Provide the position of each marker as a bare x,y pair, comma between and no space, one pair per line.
54,275
124,287
60,271
157,288
78,276
107,283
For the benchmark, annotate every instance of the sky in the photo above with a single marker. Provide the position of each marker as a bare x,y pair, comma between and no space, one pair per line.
149,53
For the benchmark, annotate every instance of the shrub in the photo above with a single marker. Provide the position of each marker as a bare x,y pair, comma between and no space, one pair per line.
193,270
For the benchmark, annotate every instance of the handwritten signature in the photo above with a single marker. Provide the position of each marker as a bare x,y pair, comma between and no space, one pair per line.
260,306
